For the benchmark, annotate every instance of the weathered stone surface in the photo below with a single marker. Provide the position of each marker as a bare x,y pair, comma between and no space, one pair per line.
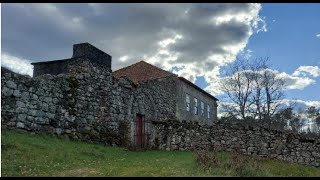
17,93
25,96
225,137
6,91
20,125
22,117
11,84
20,104
59,131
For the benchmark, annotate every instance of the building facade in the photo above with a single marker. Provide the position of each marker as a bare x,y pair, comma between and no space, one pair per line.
82,95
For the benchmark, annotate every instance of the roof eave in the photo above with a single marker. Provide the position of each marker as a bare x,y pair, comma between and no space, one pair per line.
198,88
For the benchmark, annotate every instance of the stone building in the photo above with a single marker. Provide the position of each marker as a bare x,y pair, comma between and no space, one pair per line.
179,98
192,103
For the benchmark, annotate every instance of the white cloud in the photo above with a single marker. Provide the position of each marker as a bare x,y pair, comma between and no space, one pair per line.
16,64
297,105
293,82
318,35
215,87
124,58
290,82
246,54
221,108
300,104
307,70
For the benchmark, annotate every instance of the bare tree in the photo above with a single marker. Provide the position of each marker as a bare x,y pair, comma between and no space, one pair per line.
295,124
257,98
255,89
317,121
237,86
283,118
313,114
272,88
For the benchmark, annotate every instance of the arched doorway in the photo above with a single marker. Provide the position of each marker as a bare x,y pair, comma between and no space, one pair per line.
142,114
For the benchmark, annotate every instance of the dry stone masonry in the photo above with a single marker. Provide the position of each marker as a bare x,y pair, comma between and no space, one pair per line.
252,140
84,101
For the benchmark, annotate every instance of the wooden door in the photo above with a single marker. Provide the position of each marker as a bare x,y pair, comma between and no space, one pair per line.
139,131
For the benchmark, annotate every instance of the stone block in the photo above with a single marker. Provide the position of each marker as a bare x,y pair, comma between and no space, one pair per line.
11,84
6,91
22,117
20,125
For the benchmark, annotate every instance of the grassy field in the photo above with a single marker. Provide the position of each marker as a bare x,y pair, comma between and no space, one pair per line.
42,155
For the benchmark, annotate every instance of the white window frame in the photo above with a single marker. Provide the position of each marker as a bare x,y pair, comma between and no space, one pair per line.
202,108
188,102
195,106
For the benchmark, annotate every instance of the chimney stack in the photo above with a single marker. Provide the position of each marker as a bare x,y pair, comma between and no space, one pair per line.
92,53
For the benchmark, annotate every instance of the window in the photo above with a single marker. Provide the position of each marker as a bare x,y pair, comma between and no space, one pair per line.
208,108
202,108
188,102
195,106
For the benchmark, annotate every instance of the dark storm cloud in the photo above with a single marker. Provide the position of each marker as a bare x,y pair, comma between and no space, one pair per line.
165,34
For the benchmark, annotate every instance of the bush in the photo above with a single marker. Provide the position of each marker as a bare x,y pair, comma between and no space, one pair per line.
242,165
206,159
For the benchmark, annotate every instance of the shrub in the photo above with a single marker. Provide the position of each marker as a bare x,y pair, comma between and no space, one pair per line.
206,159
242,165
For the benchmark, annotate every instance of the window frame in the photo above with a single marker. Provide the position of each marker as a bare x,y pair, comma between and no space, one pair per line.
195,108
202,105
188,107
208,111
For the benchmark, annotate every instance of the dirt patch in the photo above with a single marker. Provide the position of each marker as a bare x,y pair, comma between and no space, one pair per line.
81,172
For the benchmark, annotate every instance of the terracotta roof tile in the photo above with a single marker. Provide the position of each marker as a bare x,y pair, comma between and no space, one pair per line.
142,71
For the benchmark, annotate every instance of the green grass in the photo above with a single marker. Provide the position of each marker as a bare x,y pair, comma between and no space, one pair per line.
43,155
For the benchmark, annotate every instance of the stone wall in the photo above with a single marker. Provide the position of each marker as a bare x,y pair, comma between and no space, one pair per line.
91,52
77,105
156,100
87,103
54,68
82,50
174,135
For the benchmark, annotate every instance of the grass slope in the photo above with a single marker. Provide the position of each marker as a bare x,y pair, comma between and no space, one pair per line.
42,155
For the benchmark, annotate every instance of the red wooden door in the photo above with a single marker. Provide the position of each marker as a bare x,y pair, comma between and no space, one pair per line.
139,131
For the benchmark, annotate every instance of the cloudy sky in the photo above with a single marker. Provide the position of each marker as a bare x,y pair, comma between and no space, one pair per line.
192,40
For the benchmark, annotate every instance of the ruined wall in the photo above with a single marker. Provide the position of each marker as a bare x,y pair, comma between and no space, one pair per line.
91,52
83,51
87,103
54,68
77,105
174,135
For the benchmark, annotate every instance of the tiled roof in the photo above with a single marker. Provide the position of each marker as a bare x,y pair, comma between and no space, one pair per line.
142,71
